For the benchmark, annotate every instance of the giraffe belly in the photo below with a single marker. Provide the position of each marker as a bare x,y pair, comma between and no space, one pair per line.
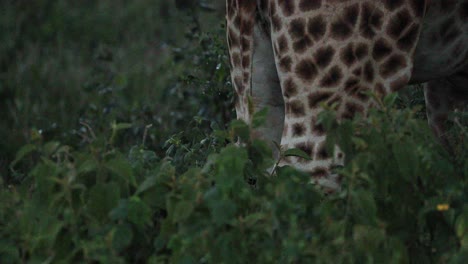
442,50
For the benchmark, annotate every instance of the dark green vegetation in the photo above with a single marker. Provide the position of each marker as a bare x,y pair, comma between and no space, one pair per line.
86,178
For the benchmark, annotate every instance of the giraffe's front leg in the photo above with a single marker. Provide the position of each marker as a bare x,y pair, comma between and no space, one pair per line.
253,71
266,90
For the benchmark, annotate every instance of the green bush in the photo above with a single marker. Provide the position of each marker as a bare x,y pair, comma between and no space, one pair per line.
68,70
403,200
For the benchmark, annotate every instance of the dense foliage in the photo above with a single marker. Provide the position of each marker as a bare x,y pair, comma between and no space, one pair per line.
119,147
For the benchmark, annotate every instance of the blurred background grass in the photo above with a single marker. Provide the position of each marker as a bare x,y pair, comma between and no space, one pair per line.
70,68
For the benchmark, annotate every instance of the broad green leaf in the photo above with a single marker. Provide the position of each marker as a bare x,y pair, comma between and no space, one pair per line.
464,242
102,198
363,207
138,212
331,141
42,174
399,253
259,118
407,159
146,184
122,236
252,219
461,224
182,211
295,152
159,243
250,106
261,155
223,211
9,252
229,168
89,165
120,212
211,196
390,99
121,126
327,119
50,147
367,237
25,150
345,134
360,143
240,129
121,167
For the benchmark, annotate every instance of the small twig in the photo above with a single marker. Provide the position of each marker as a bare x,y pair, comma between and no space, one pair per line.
145,133
457,122
275,167
206,6
90,130
84,137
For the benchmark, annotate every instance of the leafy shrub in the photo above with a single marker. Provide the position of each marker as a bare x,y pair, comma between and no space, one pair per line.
68,70
403,200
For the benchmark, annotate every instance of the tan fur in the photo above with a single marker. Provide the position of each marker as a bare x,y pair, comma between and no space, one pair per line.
334,52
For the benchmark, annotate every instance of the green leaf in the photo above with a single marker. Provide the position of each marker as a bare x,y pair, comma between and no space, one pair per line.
390,99
464,242
42,174
121,167
327,119
182,211
261,155
120,212
9,252
222,212
295,152
367,238
122,236
360,143
461,224
363,207
87,166
102,198
159,243
25,150
146,184
345,134
259,118
398,251
406,158
229,168
121,126
250,106
50,147
212,196
138,212
240,129
252,219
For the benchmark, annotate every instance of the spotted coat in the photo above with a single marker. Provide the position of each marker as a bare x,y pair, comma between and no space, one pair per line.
294,56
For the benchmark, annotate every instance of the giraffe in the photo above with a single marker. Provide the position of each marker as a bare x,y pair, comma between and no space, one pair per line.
292,56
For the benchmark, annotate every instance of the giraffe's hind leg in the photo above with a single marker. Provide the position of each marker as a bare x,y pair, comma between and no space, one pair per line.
443,96
266,89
